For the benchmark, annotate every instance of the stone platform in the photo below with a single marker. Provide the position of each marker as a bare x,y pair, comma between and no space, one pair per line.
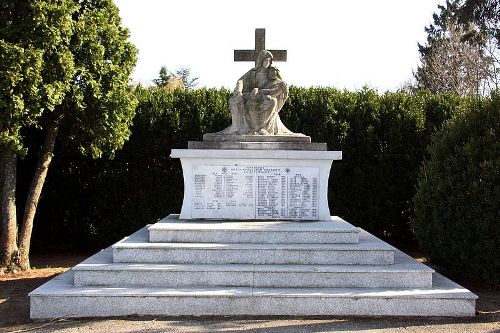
294,141
294,137
250,145
200,268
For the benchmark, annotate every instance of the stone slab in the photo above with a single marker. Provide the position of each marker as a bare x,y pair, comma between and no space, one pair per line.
99,270
137,249
255,192
255,184
296,137
59,298
257,154
228,145
174,230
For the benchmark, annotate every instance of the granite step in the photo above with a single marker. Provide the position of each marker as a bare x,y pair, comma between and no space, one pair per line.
173,230
137,249
99,270
60,298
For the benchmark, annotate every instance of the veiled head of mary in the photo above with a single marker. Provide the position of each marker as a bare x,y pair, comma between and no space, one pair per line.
263,55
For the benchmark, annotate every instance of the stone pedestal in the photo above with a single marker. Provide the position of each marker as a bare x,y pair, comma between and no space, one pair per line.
254,238
255,184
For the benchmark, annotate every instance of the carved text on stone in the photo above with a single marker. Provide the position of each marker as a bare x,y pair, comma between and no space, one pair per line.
255,192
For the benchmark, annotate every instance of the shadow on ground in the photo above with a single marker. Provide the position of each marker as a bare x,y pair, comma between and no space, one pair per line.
14,301
480,323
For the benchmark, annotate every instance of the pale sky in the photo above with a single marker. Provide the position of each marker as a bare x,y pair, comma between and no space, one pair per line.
342,44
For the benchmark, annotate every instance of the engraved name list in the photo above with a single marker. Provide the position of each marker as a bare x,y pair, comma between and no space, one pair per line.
255,192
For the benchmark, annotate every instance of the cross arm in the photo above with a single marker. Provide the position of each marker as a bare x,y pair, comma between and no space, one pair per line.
250,55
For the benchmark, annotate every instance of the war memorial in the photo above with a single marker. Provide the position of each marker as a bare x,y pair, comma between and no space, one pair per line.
254,236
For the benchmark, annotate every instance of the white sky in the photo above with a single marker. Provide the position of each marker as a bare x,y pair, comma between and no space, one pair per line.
338,43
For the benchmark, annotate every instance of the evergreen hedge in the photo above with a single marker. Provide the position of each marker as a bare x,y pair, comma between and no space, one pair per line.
92,203
458,199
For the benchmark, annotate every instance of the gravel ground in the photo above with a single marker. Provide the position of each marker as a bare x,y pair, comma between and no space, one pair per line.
282,325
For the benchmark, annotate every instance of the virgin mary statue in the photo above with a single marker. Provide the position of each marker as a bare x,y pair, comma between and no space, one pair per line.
257,99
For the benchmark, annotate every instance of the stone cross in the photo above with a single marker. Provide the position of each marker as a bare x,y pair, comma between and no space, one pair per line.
260,44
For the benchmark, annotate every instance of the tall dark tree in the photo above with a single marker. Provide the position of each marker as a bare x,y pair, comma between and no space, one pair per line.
484,13
163,77
183,74
35,72
188,80
64,64
458,56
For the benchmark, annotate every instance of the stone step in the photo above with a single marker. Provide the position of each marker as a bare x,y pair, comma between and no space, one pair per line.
173,230
137,249
60,298
99,270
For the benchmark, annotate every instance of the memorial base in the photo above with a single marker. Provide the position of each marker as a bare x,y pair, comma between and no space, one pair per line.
254,238
275,268
255,184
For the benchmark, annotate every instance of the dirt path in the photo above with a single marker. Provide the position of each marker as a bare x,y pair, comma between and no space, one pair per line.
281,325
14,314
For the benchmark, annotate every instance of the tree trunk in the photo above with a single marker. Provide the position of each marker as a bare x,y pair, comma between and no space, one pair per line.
34,192
2,172
8,239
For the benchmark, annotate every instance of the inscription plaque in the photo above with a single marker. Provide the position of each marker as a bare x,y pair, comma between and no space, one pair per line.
255,192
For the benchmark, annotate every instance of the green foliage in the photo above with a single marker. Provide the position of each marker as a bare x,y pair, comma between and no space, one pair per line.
163,77
96,202
36,65
383,139
20,80
457,203
100,105
72,58
65,69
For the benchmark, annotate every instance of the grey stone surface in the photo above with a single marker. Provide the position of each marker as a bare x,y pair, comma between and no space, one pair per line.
257,100
275,197
101,286
137,249
174,230
213,137
246,191
99,270
228,145
59,298
301,156
250,236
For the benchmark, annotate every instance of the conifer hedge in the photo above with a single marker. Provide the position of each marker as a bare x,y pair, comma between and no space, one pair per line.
93,203
457,204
